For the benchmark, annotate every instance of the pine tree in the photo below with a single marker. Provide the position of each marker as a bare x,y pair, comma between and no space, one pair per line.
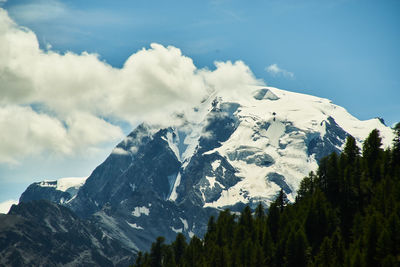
194,253
393,227
358,259
383,245
325,255
372,152
168,257
333,179
139,260
371,241
317,224
296,249
259,223
211,233
259,212
351,151
307,186
281,201
338,248
395,157
273,221
157,252
246,219
179,247
396,144
268,247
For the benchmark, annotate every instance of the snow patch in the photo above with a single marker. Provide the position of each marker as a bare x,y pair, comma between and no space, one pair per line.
274,132
215,164
174,194
63,184
138,211
48,183
178,230
185,224
133,187
212,181
134,225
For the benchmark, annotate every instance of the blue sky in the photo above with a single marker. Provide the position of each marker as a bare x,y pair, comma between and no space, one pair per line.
344,50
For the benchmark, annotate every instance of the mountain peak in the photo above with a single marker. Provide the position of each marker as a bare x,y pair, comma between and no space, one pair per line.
231,150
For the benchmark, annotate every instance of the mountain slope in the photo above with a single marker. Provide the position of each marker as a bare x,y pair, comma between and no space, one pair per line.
228,152
40,233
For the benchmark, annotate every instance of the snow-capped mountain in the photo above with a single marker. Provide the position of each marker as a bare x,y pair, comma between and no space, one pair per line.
58,191
225,153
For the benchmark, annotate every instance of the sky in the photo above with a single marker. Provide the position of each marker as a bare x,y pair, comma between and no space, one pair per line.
76,76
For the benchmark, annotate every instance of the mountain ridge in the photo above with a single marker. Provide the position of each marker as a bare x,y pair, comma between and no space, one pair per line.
227,152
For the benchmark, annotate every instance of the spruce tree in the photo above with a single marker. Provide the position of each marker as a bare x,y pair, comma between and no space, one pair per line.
351,151
371,153
179,246
157,252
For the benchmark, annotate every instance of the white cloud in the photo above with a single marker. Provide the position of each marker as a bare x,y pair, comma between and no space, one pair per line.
26,132
274,70
76,98
6,205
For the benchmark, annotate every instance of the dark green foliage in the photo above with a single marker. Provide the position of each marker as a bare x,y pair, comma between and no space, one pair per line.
179,247
157,254
347,214
296,249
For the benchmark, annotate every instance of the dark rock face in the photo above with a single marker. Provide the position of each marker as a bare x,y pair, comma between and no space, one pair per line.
128,194
264,93
333,139
280,181
194,179
221,123
41,233
252,155
145,166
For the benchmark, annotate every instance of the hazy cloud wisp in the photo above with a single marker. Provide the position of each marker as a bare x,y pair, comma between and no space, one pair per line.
275,70
6,205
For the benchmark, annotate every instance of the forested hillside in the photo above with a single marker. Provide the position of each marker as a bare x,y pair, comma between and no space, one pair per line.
346,214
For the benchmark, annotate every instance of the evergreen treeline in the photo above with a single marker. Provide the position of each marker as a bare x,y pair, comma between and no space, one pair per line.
346,214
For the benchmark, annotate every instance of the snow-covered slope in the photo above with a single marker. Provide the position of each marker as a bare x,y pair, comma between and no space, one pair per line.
283,130
276,138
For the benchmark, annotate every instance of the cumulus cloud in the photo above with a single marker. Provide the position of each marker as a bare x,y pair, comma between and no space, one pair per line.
26,132
68,103
6,205
275,70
